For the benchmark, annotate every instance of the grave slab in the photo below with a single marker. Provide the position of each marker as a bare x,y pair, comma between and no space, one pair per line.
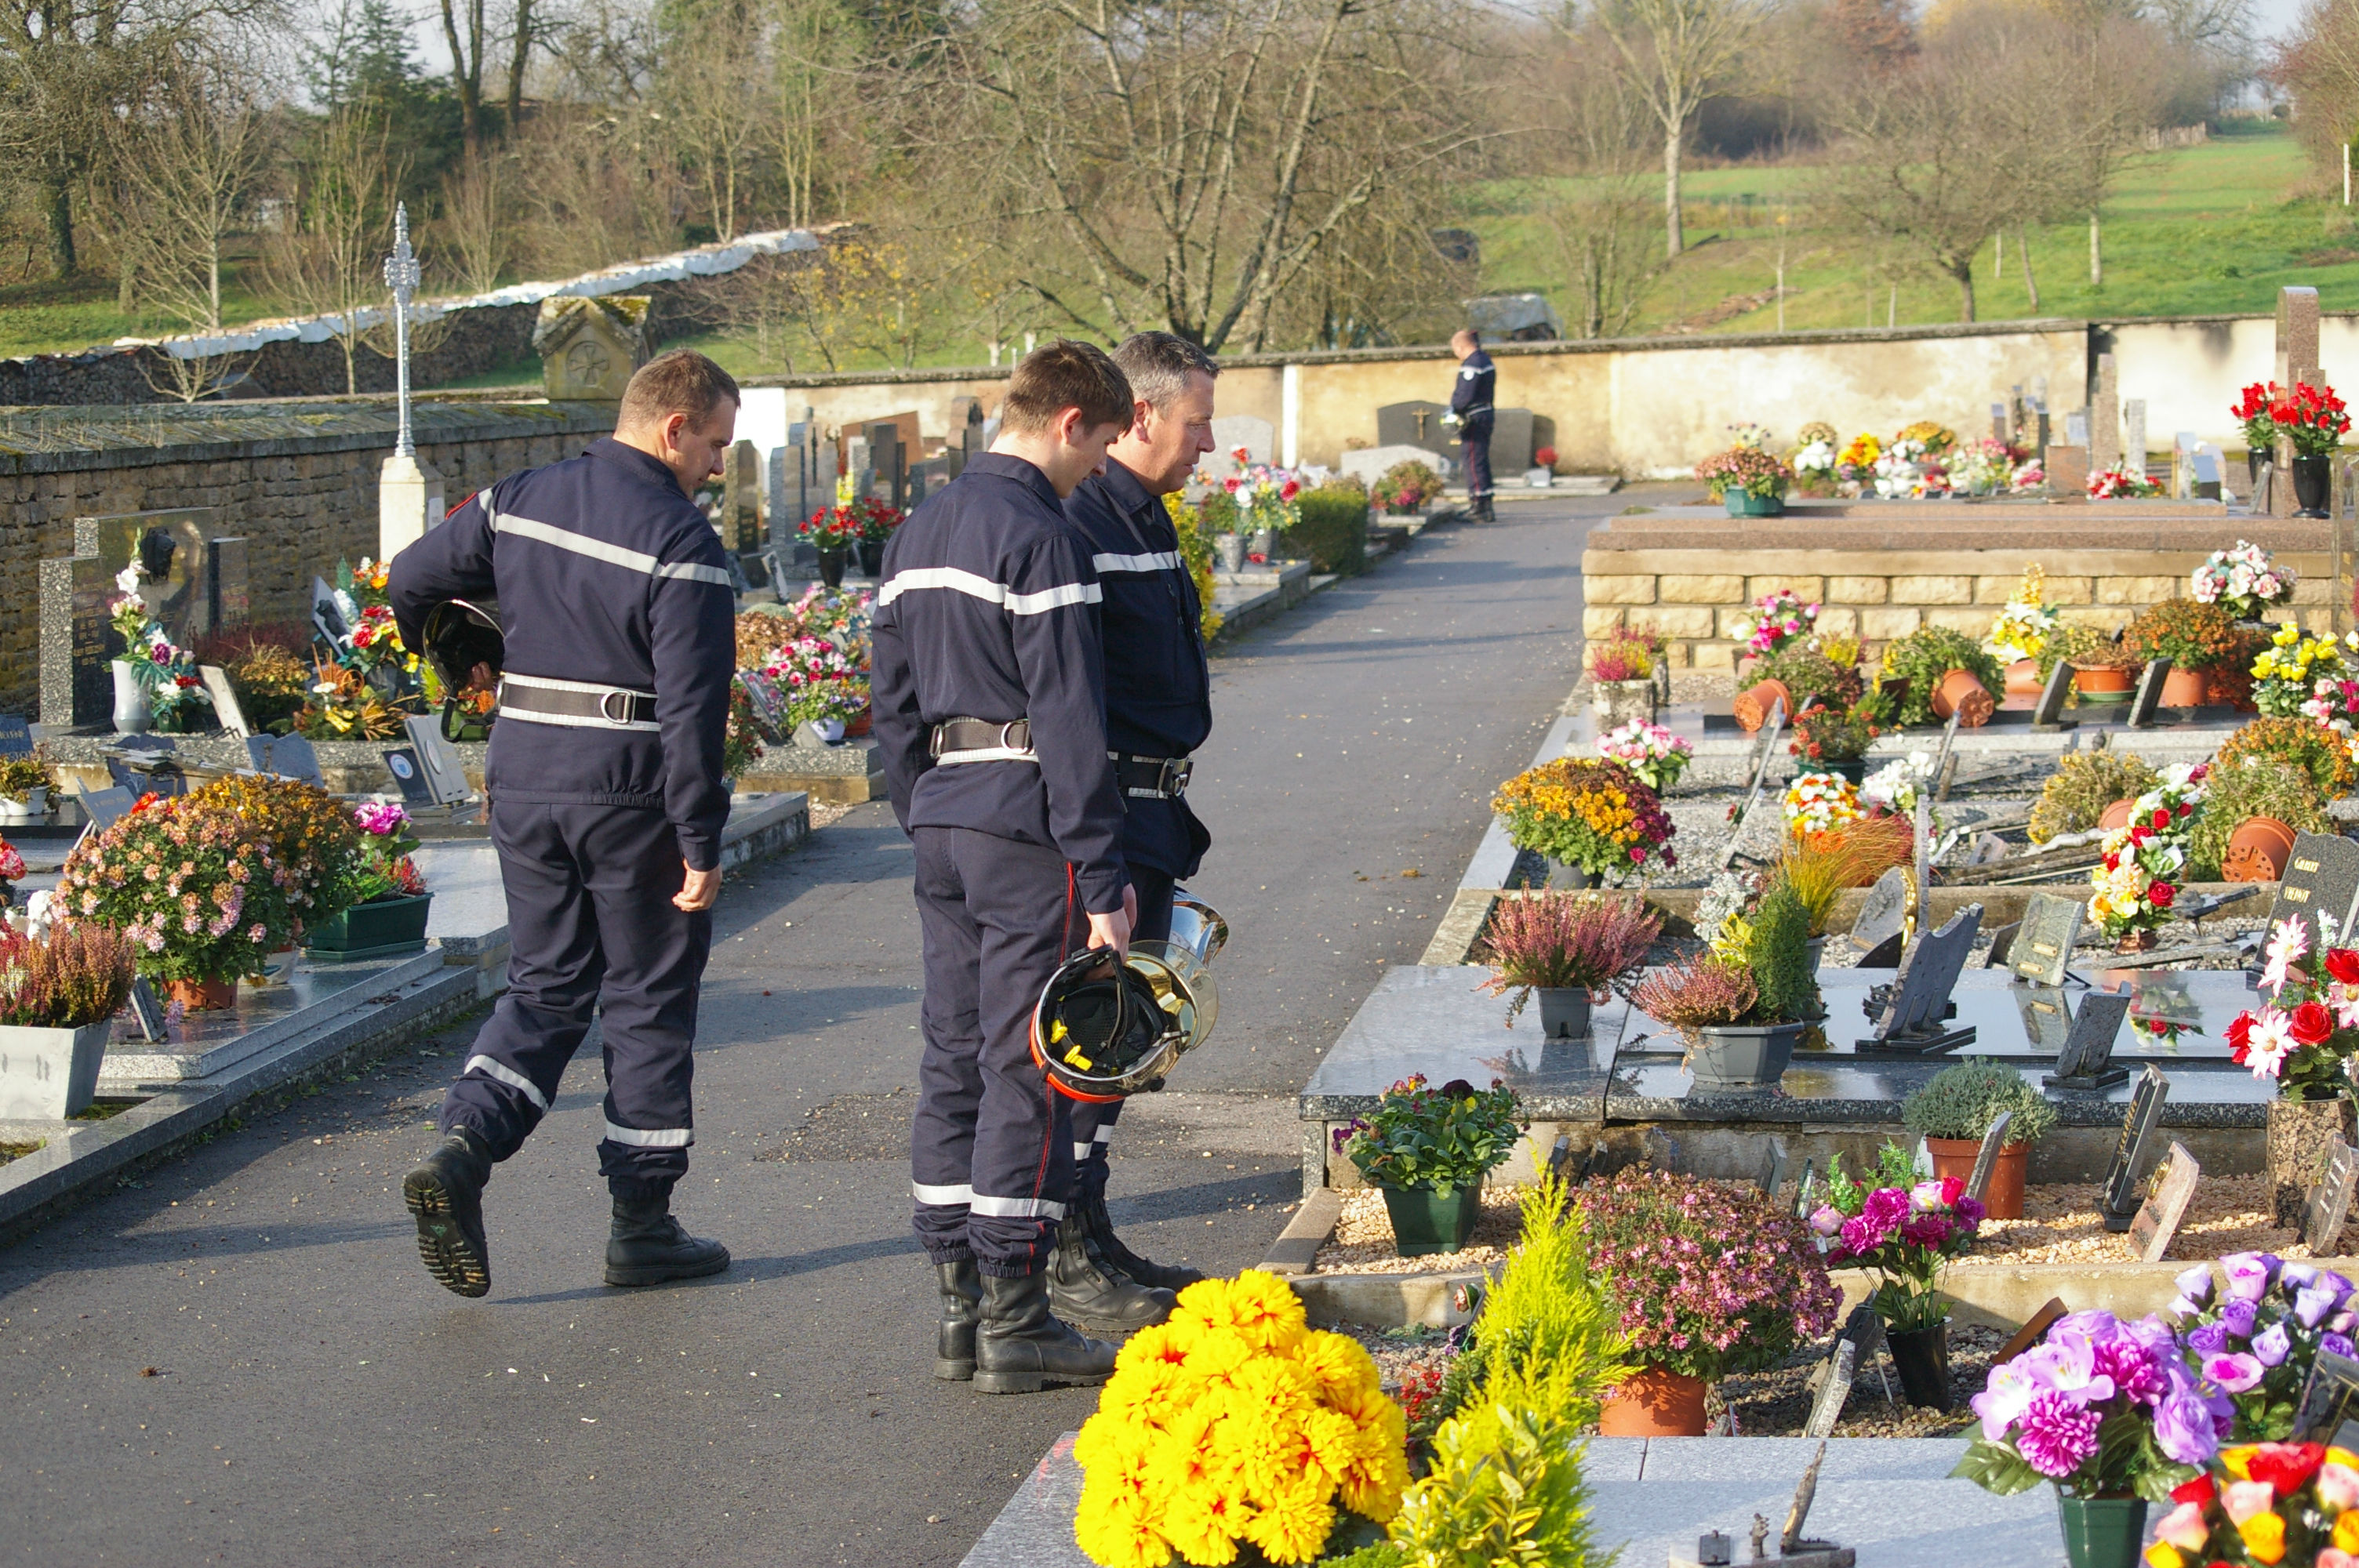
205,1043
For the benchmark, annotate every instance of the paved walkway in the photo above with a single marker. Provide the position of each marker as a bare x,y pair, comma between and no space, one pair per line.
238,1358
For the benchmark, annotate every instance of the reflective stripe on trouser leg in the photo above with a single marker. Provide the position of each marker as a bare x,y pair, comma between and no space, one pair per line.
1093,1124
995,919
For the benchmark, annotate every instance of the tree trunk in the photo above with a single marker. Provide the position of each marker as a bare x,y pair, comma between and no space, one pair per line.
2023,249
517,63
212,284
2096,250
1964,273
1675,238
59,215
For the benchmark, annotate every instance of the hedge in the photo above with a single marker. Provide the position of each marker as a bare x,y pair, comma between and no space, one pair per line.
1333,530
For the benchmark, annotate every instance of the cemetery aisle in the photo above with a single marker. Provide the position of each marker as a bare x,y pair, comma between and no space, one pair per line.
238,1355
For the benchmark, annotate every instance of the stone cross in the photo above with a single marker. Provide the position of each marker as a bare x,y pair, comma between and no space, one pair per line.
2297,360
2105,417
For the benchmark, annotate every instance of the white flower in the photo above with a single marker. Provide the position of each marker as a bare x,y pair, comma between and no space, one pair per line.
2270,1044
2285,946
127,580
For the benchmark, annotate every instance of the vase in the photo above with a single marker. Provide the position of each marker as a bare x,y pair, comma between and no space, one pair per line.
1744,503
1751,704
1232,551
872,558
1817,948
859,724
132,716
1922,1357
2102,1532
1852,768
2185,689
1740,1058
2023,678
34,808
2004,1196
2300,1137
2313,482
1617,702
48,1075
1566,878
2254,458
1653,1402
2258,851
1426,1221
377,929
2139,942
831,567
2116,814
1962,692
202,996
2102,687
1564,1013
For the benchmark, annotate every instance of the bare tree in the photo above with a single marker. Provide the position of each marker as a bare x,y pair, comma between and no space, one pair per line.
521,39
467,68
190,153
815,47
1675,54
478,224
1597,211
713,98
332,265
2317,66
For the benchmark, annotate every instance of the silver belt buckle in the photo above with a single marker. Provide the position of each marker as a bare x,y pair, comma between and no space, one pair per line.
1175,773
607,714
1007,736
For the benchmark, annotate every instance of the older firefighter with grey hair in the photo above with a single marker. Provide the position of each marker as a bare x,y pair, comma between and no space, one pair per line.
1158,710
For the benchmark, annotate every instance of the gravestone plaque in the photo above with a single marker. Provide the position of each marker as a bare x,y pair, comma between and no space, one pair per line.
327,616
410,774
2031,1333
2043,948
16,736
233,590
1257,435
1914,1021
769,706
1882,912
2328,1409
2148,695
2330,1201
2068,468
286,757
1773,1167
2134,1150
225,704
1369,464
2166,1197
171,551
2048,713
147,1011
77,692
1417,424
2086,1061
2320,885
446,776
104,807
1986,1157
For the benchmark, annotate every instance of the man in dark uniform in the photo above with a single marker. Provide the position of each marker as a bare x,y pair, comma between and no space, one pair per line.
607,805
1470,410
1158,708
989,696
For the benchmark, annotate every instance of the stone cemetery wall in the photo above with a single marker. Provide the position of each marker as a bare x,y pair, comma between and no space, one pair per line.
298,482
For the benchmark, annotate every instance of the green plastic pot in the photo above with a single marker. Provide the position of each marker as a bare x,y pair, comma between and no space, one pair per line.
377,929
2102,1532
1744,503
1426,1221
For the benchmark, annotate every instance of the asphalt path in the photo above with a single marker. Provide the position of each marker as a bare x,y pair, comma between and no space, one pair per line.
237,1358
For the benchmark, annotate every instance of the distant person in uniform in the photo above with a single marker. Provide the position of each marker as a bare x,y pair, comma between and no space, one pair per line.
1158,709
1470,410
989,694
607,805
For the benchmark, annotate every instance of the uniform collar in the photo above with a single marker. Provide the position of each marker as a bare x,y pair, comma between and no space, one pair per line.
637,461
1023,471
1127,491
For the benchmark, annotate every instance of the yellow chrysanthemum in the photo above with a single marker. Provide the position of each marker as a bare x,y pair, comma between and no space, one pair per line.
2346,1530
1217,1355
1372,1487
1116,1439
1149,1391
1332,1442
1204,1526
1115,1526
2264,1538
1340,1364
1168,1341
1294,1526
1261,1308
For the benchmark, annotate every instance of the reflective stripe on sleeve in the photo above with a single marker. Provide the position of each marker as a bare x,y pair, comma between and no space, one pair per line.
1016,1208
599,550
990,592
957,1196
1083,1150
1163,560
652,1138
502,1073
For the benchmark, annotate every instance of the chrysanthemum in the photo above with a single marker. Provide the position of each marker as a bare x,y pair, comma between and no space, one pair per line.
1205,1525
1340,1364
1372,1487
1216,1356
1115,1526
1294,1525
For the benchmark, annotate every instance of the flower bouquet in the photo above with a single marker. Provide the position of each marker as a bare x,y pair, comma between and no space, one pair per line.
1855,464
2312,418
1814,465
1748,469
1816,803
2270,1504
1568,946
2294,669
2025,622
1982,468
1931,435
2256,1339
741,734
2251,410
1650,751
2244,579
1428,1151
834,528
382,869
2135,884
820,679
1592,815
195,885
314,842
1894,787
1406,489
2121,481
1904,1232
1773,621
1265,496
2304,1036
1836,738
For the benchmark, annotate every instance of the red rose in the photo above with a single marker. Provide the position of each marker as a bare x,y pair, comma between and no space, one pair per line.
2184,808
2311,1023
2199,1491
1952,1190
2240,1033
2342,964
2161,817
2287,1466
2161,894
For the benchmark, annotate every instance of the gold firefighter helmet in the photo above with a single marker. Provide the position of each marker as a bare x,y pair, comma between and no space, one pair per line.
1104,1032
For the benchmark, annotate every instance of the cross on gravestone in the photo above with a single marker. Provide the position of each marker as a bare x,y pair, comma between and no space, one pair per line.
2330,1201
2148,695
2105,417
286,757
1773,1167
1881,911
402,276
1986,1157
2320,887
2043,948
2048,713
2167,1200
2134,1148
446,776
225,703
2086,1060
409,775
1912,1023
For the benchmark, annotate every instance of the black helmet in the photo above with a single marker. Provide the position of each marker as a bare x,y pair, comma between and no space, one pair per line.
459,636
1104,1031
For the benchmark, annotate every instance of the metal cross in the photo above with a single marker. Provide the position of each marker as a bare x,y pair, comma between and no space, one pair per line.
401,277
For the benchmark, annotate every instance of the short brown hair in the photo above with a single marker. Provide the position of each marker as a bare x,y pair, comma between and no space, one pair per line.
680,382
1065,374
1159,365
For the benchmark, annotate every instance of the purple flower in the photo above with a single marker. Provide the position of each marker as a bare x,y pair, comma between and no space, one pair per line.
2195,1284
2183,1429
2006,1393
2338,1343
1970,1214
1861,1236
2181,1307
2238,1318
2158,1337
2235,1371
2132,1369
2207,1339
2057,1435
1885,1207
2298,1276
2272,1346
2248,1276
2342,1321
2333,1281
2312,1304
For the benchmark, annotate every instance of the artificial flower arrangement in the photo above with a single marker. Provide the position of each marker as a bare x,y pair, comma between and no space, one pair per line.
837,528
2294,669
1855,464
1653,753
2303,1037
168,672
2025,622
2244,579
1813,463
1983,468
2264,1503
1908,469
1265,496
2251,410
2257,1338
1829,733
1900,1229
2136,881
384,868
195,885
1749,436
1406,489
1594,815
1816,803
1894,787
1930,434
1232,1421
2123,481
819,677
1774,621
1748,469
2312,418
1564,941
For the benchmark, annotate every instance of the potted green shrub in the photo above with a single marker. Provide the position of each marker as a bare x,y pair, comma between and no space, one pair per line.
1835,739
2265,802
2299,742
59,995
1953,1111
1744,1009
1925,659
25,784
1568,947
2083,785
384,898
2197,638
1427,1149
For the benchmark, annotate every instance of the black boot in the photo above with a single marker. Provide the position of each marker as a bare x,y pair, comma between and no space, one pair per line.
647,1246
445,1193
961,1286
1087,1289
1140,1270
1019,1346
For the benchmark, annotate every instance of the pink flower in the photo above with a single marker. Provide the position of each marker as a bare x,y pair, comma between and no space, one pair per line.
2241,1500
2234,1372
2184,1528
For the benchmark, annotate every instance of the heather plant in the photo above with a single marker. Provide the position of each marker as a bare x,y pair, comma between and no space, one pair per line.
1564,941
1692,997
1443,1139
1620,659
75,974
1709,1279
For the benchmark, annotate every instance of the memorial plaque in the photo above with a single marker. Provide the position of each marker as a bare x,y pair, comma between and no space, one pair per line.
16,736
2166,1197
1833,1394
327,616
2030,1333
232,594
174,557
286,756
1417,425
2086,1061
1773,1167
2321,882
1882,912
2043,948
410,774
148,1012
104,807
1914,1021
225,704
2048,713
446,776
2148,695
768,705
1986,1157
2328,1409
2135,1147
2330,1201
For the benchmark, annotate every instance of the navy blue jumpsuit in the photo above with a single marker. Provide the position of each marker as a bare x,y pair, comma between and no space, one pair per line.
989,612
1471,400
607,577
1159,705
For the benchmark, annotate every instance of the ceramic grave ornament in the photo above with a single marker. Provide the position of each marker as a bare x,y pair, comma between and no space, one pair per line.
1913,1021
2130,1153
2043,945
2086,1061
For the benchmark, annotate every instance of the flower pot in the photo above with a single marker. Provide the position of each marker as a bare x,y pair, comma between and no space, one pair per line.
131,712
1572,878
2116,814
1617,702
2102,687
1817,947
1232,548
2023,678
1922,1357
2258,851
2185,689
1426,1221
2300,1137
2004,1196
1962,691
859,724
2313,481
1852,768
1653,1402
34,808
202,996
1743,1058
2102,1532
2139,942
48,1075
1564,1013
377,929
1744,503
1751,704
831,567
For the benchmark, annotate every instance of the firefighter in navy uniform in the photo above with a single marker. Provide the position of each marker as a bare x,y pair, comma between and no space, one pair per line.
607,805
1470,410
989,699
1158,707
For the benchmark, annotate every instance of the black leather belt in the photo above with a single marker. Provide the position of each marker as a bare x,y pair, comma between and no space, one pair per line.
1152,778
577,703
982,741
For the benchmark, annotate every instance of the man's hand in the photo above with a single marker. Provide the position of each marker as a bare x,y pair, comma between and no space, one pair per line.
481,678
1113,930
703,887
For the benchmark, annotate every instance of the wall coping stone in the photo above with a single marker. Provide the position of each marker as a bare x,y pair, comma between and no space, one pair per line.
226,432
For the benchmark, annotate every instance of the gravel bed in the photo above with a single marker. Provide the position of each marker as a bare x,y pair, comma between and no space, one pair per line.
1362,1242
2065,1224
1777,1403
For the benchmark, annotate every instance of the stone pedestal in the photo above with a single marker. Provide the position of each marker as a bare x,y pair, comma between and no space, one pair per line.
76,689
409,502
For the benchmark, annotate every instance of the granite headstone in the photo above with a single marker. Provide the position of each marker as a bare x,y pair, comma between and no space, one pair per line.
2320,885
286,757
2133,1149
2043,948
2167,1200
2048,713
2086,1061
2147,696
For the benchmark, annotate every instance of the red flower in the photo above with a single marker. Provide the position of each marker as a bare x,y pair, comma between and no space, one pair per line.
2342,964
2240,1037
2161,817
1952,1190
2311,1023
2185,809
2199,1491
2161,894
2287,1466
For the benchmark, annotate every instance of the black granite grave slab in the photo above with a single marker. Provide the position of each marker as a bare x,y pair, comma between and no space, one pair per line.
1432,1019
173,553
2321,883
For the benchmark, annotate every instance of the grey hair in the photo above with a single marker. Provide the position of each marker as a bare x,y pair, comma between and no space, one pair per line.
1159,365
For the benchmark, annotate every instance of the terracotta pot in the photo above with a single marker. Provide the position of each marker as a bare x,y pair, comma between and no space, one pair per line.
2230,686
1753,705
1962,691
201,996
2004,1197
2139,942
2258,851
1654,1403
2116,814
859,724
2103,685
2185,689
2301,1135
2023,678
